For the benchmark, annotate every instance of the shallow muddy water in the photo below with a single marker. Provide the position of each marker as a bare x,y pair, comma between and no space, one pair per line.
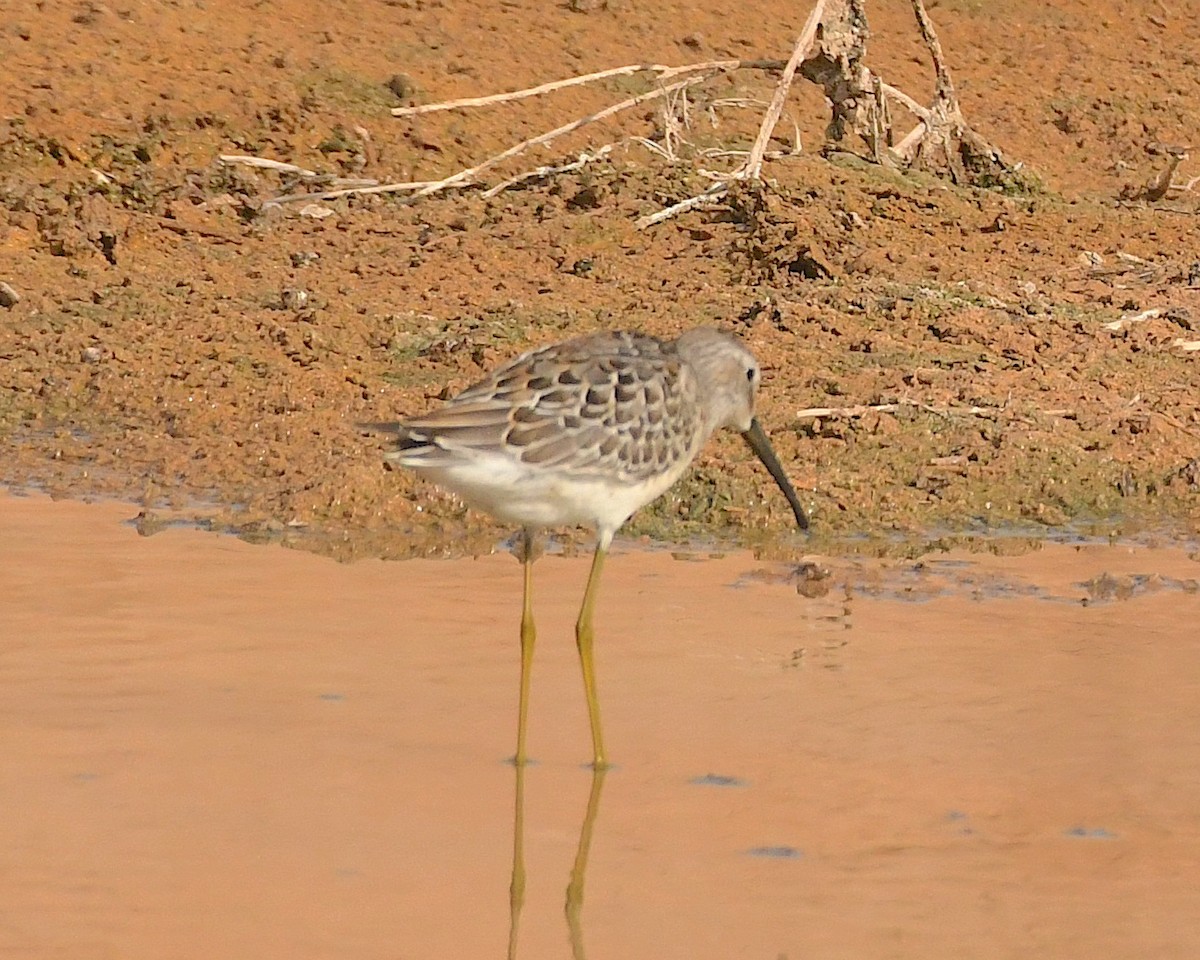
212,749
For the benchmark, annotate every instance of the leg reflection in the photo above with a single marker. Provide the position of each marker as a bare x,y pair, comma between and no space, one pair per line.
516,888
574,905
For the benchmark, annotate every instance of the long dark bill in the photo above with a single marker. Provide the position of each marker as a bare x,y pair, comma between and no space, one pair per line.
758,442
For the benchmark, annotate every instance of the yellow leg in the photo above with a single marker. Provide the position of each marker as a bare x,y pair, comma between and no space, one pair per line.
528,636
584,636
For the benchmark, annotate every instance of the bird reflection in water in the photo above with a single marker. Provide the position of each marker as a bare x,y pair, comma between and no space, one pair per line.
573,907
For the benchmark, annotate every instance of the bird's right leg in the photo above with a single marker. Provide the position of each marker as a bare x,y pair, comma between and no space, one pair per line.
584,637
528,637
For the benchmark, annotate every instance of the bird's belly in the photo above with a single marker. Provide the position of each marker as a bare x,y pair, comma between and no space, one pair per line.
542,497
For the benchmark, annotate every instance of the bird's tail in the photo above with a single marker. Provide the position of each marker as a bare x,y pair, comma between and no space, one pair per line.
411,445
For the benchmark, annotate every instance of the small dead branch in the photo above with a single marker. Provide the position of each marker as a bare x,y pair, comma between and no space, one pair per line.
1175,421
264,164
468,175
714,105
863,409
858,410
339,186
713,153
752,168
663,72
1127,266
347,191
909,104
676,119
1135,260
1162,183
584,158
709,196
830,51
653,148
1134,318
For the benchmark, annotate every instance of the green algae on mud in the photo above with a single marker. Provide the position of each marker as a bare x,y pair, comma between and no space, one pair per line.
465,533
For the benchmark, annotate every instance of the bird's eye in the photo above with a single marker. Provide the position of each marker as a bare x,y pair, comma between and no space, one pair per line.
750,374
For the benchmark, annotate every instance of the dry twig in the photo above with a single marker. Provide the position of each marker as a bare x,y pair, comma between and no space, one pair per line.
711,195
341,186
1162,183
468,175
830,51
752,169
264,164
347,191
1134,318
664,73
862,409
584,158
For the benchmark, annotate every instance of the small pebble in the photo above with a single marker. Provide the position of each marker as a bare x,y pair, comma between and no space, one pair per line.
401,85
92,355
294,298
302,258
316,211
8,296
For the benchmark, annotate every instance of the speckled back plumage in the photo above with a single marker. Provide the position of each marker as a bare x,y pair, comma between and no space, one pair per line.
589,431
613,405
